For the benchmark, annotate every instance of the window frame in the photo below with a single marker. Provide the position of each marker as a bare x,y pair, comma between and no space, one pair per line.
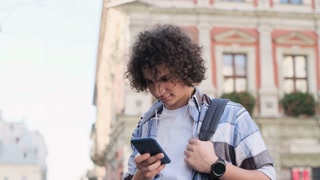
234,76
294,78
310,57
251,65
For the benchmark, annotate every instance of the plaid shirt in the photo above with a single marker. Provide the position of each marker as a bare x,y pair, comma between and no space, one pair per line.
237,139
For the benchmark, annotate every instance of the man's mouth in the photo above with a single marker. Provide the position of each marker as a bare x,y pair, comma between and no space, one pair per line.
163,99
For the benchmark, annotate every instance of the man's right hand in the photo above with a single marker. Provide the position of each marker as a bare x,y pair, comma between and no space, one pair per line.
148,166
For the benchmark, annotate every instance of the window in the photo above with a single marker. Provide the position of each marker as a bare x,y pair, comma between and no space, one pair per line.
233,0
295,73
300,174
316,173
291,1
234,72
305,173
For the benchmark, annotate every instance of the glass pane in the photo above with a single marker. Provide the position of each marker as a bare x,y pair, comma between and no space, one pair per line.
300,66
296,1
241,84
316,173
228,85
227,65
288,86
240,61
288,66
284,1
301,85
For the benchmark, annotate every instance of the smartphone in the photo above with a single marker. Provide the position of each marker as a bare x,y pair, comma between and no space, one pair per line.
150,145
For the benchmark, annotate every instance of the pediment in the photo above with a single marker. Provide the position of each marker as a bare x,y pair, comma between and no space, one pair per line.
295,38
235,36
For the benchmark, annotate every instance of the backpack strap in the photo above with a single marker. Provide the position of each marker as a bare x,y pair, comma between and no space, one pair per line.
212,118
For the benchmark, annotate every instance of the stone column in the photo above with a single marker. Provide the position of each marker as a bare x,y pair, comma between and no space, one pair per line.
205,41
268,92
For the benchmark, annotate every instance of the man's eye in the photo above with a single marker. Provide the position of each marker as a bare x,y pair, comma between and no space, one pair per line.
149,82
165,79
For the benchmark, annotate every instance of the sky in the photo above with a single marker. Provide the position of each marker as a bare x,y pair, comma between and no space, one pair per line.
48,52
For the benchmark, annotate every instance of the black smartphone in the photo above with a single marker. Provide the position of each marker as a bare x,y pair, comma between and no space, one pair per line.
150,145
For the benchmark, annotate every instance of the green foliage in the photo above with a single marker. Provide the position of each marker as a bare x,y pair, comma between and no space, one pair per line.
244,98
298,103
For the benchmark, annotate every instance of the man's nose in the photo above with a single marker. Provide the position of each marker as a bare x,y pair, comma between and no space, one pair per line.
160,88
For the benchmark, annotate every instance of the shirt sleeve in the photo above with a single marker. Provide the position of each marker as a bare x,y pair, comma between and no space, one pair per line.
269,171
250,149
238,139
131,169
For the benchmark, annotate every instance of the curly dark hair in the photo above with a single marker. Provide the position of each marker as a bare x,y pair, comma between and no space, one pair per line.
166,45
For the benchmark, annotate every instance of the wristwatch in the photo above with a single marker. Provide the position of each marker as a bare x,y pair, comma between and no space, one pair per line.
218,168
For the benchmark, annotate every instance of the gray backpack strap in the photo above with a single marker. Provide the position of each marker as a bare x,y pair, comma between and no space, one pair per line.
212,118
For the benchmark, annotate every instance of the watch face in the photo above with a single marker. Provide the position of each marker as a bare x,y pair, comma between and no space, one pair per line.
219,168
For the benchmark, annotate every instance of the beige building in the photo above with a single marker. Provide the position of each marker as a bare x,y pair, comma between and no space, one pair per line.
267,38
22,153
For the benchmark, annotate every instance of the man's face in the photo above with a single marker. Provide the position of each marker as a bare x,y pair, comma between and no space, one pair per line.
167,88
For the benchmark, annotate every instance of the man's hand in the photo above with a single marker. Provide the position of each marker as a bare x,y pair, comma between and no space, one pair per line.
148,166
200,155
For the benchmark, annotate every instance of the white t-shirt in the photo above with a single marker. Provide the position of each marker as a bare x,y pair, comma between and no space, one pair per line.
174,131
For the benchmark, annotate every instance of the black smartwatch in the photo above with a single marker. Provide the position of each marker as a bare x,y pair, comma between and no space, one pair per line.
218,169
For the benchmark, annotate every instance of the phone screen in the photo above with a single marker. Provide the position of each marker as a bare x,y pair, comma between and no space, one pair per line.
150,145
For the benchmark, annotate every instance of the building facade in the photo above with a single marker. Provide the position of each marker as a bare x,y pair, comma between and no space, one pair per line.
22,153
274,44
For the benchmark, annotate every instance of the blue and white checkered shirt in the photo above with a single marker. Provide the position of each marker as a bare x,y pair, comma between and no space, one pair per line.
237,139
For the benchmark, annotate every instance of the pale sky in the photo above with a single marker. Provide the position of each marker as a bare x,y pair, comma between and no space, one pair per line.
48,53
